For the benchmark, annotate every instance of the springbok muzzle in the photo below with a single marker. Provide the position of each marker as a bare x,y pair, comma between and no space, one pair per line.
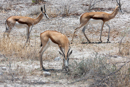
66,63
46,15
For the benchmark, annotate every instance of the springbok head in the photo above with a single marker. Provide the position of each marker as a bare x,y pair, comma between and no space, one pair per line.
119,5
66,57
44,12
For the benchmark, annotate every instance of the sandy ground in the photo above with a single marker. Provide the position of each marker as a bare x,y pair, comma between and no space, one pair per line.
27,74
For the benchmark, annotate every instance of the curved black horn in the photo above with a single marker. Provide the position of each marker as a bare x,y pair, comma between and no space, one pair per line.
44,12
62,52
119,4
69,52
44,9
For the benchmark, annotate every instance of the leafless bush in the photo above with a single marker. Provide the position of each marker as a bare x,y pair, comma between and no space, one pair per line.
94,66
124,46
52,12
65,8
100,72
93,3
124,49
37,1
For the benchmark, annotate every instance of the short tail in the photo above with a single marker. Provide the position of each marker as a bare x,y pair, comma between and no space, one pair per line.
41,44
6,25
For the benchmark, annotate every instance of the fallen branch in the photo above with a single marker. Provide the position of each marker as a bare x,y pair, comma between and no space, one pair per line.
113,72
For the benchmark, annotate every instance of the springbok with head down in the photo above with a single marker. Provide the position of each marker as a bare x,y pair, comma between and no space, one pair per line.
59,39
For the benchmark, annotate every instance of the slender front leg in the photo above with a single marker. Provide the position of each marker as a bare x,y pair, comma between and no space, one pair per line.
101,31
108,34
27,36
63,66
30,30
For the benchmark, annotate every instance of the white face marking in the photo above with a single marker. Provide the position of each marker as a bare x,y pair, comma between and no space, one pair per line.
66,63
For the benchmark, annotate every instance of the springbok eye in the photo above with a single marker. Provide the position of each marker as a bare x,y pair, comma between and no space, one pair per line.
63,59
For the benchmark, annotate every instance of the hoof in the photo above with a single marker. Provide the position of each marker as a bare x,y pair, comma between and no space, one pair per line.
100,41
108,42
86,42
65,69
89,42
42,69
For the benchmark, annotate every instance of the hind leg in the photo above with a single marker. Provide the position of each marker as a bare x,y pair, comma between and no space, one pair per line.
8,29
81,25
83,30
7,32
44,41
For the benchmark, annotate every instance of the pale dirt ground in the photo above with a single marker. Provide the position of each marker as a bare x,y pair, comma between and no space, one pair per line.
27,73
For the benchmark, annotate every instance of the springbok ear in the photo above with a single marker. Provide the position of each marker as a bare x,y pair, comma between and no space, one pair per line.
61,53
70,53
41,9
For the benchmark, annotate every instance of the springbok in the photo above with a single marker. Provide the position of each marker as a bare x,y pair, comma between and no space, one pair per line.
59,39
84,19
10,22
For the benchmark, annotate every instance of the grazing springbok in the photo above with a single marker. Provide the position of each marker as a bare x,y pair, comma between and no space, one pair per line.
84,19
10,22
59,39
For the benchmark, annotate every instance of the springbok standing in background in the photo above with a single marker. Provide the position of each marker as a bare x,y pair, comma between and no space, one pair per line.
84,19
59,39
10,22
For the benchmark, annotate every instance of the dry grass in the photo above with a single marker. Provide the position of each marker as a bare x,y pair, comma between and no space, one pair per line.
15,49
124,44
12,48
52,13
125,49
100,72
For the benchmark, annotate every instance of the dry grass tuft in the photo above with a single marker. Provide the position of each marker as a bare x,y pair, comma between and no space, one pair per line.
12,48
125,49
15,49
52,13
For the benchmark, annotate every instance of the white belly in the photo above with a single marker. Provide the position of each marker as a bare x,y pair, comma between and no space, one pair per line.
18,25
93,21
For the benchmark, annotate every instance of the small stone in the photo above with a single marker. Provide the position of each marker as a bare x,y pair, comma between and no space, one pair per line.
1,73
57,59
3,68
47,73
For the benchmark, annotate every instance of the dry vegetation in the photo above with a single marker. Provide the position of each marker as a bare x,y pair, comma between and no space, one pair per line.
100,72
15,49
108,65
